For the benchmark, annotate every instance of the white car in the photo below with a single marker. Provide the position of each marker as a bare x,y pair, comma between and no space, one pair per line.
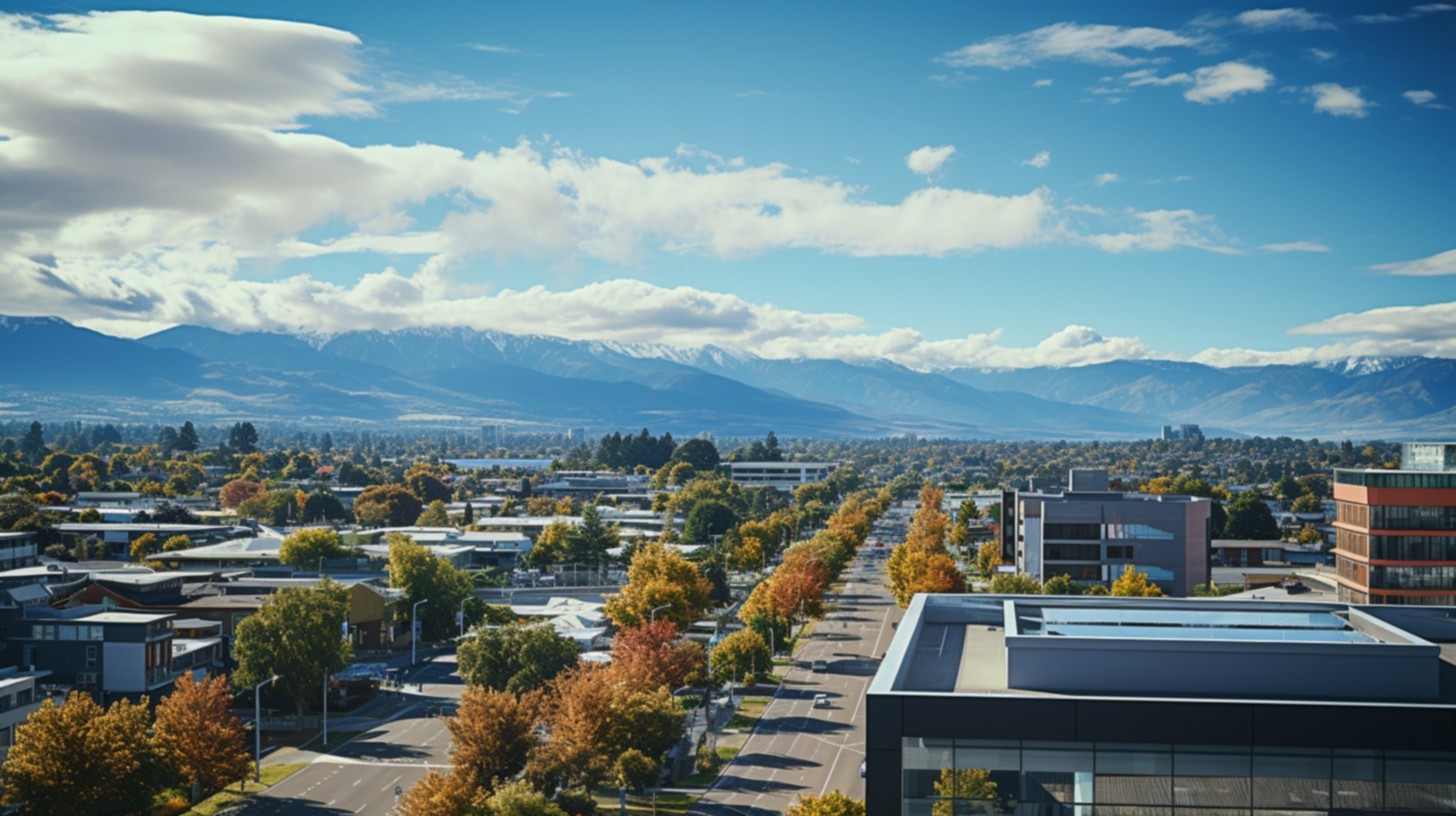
821,701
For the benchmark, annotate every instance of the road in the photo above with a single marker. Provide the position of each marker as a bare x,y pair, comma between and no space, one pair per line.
360,777
798,749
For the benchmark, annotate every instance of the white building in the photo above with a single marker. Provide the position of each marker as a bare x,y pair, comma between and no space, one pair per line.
780,475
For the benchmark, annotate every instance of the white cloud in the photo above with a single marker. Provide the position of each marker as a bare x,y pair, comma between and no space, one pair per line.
1149,76
1160,230
1337,100
1414,325
1421,97
1319,55
492,48
1042,83
927,160
1219,83
1096,44
1413,13
1442,263
1104,179
1295,19
1040,160
1296,246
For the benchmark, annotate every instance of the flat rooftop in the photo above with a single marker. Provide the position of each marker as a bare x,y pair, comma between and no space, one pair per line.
1146,647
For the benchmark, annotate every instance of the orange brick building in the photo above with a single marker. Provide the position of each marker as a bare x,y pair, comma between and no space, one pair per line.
1395,530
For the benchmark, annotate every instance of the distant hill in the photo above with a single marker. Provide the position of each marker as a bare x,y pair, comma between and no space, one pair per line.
465,377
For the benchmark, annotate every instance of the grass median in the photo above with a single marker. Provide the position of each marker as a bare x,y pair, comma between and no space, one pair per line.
232,797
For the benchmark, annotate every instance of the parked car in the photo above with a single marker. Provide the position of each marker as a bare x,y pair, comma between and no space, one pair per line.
862,768
821,701
819,666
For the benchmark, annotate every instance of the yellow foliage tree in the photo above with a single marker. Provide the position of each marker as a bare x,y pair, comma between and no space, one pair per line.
659,576
832,803
1134,584
198,735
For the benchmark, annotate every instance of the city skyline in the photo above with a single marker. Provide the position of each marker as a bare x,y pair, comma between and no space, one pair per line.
936,185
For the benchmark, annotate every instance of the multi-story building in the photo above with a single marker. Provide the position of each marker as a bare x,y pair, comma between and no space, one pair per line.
1092,534
1395,530
18,700
89,648
17,550
1075,706
780,475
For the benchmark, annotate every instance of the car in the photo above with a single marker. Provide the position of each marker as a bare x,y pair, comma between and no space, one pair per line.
862,768
819,666
821,701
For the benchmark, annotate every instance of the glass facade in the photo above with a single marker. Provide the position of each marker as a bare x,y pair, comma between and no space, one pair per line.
945,777
1395,478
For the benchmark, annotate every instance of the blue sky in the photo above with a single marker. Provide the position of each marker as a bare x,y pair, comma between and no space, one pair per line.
938,184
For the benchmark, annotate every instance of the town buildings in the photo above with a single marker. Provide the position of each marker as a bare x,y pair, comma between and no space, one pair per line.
1395,530
1062,706
1092,534
779,475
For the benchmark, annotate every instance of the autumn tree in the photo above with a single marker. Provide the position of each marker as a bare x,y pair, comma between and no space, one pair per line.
1308,534
961,783
516,658
78,758
1133,583
492,735
199,737
1060,585
305,548
832,803
552,546
988,558
297,634
740,657
653,655
434,516
521,799
1308,503
386,506
443,794
1015,583
144,545
423,575
660,577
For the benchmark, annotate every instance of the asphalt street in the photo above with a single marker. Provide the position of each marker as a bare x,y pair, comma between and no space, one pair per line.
798,749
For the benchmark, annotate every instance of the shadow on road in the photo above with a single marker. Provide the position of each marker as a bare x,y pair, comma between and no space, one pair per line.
773,761
736,784
711,809
799,725
381,750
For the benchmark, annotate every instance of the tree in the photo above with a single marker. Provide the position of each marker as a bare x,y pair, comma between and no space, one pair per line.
1249,519
832,803
33,445
634,770
520,799
442,794
700,453
1287,488
1060,585
1310,535
492,733
198,735
988,558
297,634
321,506
589,541
1015,584
187,437
1134,584
660,576
243,438
77,758
177,542
237,491
651,655
144,545
422,575
468,517
274,507
1308,503
741,657
961,783
517,658
553,546
306,548
386,506
434,516
426,486
707,519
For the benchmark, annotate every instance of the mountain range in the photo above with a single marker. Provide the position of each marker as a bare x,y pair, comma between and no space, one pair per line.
453,377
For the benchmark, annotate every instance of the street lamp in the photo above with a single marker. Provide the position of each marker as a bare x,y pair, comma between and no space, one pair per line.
258,729
461,615
652,615
415,627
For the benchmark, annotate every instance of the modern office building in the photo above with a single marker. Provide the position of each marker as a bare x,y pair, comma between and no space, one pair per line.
1076,706
1092,533
1395,530
780,475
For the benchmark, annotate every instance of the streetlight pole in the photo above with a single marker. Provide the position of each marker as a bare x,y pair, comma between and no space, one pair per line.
326,708
462,615
415,628
652,615
258,729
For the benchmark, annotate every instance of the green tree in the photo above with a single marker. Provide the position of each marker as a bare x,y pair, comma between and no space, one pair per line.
1249,519
589,541
740,657
988,558
275,507
553,546
1060,585
434,516
297,634
520,799
1288,488
634,770
243,438
33,444
1015,583
386,506
305,548
1134,584
832,803
517,658
423,575
708,518
1310,535
700,453
468,517
321,506
1308,503
187,437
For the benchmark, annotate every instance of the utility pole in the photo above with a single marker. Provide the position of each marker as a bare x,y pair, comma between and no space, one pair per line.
258,728
415,628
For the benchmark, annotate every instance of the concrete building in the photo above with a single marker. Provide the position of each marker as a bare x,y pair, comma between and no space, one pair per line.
1092,534
19,698
1395,530
1048,706
17,550
780,475
91,648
